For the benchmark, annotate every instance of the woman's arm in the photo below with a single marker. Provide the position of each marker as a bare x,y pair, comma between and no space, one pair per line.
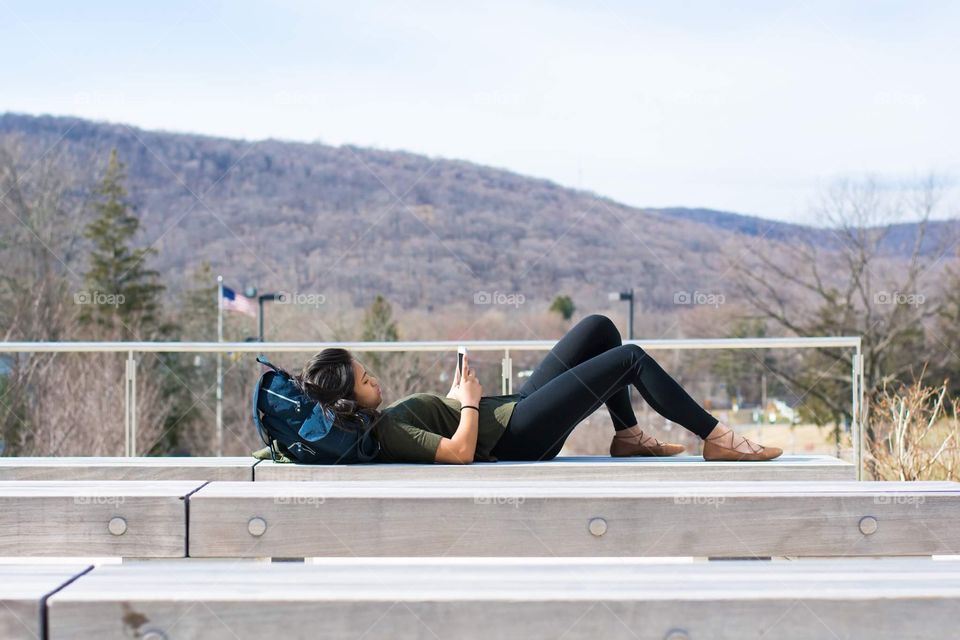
455,386
461,448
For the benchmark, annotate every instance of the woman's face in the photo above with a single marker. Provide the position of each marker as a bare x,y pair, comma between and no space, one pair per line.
366,388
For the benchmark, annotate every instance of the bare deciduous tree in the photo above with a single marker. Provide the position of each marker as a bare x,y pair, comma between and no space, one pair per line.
844,280
56,404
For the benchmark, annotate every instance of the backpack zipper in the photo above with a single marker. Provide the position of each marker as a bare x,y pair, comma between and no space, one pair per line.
296,402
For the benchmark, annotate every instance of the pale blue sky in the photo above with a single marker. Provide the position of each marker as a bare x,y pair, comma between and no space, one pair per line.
745,106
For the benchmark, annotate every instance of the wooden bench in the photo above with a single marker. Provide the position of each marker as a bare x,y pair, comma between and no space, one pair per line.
812,467
23,590
94,518
574,518
512,598
138,468
786,467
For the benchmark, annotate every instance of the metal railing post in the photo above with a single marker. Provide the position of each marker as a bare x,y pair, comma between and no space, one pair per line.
219,401
506,373
861,410
130,406
857,413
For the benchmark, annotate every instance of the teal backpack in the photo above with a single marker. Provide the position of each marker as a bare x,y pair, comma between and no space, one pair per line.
303,430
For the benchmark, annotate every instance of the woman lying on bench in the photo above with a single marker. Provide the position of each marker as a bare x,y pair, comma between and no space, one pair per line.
587,368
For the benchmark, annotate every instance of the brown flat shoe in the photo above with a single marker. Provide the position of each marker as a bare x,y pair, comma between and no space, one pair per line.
713,450
633,446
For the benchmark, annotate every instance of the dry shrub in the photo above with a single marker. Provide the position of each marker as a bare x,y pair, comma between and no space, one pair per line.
73,405
915,434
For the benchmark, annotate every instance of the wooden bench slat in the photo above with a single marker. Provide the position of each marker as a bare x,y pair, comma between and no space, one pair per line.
681,468
134,468
73,518
476,518
22,588
513,598
469,488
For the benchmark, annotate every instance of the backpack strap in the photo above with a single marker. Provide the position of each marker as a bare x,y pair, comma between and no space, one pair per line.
262,360
257,422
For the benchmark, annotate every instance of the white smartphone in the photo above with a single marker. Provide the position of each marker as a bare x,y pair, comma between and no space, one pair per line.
461,351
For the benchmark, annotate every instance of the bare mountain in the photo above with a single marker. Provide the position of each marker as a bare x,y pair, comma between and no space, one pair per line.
422,231
898,239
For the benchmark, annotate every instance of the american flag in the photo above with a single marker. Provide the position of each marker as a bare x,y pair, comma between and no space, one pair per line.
233,301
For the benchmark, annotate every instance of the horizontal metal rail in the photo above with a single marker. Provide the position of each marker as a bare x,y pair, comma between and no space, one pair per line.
442,345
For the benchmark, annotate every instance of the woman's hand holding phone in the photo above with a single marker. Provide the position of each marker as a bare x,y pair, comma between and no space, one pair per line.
469,389
466,388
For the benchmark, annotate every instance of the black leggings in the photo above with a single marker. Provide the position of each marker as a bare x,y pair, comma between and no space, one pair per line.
588,367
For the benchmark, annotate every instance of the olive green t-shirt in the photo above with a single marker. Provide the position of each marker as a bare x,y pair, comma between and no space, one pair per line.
410,429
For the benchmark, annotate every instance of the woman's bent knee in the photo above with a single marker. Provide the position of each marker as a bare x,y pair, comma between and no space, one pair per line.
636,349
598,318
602,323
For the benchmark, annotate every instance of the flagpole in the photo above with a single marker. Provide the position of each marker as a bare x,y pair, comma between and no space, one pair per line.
219,366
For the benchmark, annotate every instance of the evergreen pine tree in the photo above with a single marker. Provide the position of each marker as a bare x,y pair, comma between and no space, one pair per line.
378,322
123,294
564,306
189,377
379,326
199,306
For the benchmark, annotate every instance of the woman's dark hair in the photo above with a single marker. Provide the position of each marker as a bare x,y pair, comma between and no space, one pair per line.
328,379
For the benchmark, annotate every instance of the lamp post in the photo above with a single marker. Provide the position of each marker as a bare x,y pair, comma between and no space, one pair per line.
251,292
267,297
628,296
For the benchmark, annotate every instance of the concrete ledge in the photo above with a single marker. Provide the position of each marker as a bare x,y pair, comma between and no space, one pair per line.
795,467
402,598
572,518
119,468
94,518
